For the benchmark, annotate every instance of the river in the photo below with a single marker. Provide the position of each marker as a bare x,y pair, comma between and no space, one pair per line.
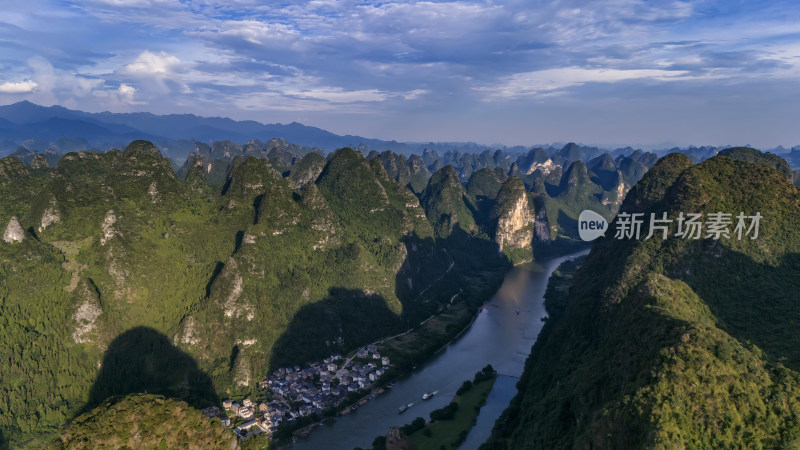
502,335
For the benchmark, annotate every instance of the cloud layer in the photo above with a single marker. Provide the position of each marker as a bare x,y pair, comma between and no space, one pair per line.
517,72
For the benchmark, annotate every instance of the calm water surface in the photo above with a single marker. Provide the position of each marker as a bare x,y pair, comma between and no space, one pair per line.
502,335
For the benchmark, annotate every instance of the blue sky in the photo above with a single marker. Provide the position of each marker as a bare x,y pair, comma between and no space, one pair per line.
513,72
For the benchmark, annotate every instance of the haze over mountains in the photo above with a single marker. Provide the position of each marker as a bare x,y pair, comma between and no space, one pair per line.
60,129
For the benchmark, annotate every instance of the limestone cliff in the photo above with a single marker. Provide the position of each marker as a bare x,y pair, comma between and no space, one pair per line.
14,232
50,215
87,310
515,217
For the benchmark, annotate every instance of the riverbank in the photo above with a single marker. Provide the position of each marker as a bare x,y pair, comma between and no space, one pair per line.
407,350
501,334
452,432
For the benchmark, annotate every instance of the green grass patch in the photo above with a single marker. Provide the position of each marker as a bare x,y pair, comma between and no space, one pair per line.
451,433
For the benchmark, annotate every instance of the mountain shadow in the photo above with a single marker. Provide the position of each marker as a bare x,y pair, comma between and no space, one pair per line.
142,360
356,317
758,304
433,272
3,441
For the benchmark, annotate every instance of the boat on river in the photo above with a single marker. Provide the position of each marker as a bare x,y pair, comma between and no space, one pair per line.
429,395
403,408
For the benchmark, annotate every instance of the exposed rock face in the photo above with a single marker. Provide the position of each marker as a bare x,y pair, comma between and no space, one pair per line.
12,169
618,191
546,167
39,162
14,232
234,306
50,215
152,191
541,226
621,190
188,333
514,216
306,170
108,228
87,313
513,227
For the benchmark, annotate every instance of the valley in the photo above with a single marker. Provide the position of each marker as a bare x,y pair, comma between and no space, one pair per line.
114,265
302,283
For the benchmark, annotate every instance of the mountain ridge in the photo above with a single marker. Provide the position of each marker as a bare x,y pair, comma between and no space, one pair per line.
674,343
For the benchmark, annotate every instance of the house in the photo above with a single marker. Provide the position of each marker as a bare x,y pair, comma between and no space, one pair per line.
253,426
373,376
332,367
263,424
247,403
376,355
227,404
246,412
385,360
372,348
362,353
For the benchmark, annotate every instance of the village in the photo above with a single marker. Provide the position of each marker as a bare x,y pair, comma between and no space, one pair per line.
294,392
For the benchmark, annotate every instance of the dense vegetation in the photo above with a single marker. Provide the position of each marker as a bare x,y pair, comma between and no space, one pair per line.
249,258
130,279
145,421
675,343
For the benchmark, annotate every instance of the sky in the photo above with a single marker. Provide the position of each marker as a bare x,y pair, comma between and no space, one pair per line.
615,72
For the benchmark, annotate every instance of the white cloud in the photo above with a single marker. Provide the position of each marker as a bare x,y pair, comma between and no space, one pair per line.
257,32
416,93
546,81
125,94
158,73
20,87
339,95
55,86
153,64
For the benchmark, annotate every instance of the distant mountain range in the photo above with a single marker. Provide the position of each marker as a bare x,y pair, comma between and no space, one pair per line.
40,128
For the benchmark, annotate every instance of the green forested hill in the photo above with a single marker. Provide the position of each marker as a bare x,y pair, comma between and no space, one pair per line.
676,343
130,279
145,421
